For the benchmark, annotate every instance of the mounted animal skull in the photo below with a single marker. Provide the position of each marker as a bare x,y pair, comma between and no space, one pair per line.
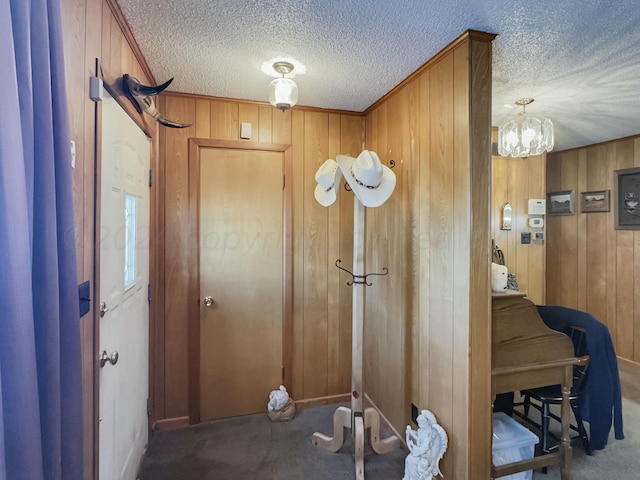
141,97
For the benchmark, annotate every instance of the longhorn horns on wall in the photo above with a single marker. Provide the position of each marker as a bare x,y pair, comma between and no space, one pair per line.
141,97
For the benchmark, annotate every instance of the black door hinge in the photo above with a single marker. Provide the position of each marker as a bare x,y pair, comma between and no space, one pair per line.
149,292
84,295
148,407
150,177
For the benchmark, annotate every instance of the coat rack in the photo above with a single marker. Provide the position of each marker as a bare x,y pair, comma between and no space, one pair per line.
356,418
361,278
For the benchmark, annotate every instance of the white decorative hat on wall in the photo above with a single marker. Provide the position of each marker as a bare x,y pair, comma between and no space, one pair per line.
328,177
372,182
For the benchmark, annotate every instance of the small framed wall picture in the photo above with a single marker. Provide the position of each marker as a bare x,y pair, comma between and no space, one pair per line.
595,201
560,203
627,199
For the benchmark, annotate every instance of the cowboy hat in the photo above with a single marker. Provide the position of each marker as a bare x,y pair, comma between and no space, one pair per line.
328,178
372,182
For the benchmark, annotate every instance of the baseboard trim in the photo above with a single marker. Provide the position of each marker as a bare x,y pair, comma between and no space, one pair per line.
170,423
328,400
629,362
385,421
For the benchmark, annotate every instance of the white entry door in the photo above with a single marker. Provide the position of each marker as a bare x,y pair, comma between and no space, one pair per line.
123,302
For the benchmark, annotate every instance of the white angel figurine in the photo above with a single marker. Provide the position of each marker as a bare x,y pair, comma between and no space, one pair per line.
427,446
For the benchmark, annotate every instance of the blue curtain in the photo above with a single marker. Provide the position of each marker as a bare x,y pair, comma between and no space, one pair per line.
40,360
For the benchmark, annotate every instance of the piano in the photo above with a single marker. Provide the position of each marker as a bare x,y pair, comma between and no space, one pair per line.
528,354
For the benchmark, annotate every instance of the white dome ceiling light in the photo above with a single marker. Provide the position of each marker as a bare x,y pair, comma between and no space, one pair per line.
283,92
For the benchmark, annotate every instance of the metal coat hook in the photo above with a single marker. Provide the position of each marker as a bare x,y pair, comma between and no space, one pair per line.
392,163
361,279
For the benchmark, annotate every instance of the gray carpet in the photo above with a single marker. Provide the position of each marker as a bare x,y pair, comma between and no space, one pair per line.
254,448
620,460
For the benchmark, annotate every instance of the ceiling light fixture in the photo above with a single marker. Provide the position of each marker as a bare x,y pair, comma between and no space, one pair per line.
526,135
283,92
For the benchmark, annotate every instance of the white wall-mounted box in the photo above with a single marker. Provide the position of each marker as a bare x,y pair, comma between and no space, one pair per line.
537,206
96,89
245,131
536,222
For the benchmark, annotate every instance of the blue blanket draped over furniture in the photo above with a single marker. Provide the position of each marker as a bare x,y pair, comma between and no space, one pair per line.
602,398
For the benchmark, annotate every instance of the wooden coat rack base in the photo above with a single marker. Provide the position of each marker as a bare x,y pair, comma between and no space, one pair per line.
342,419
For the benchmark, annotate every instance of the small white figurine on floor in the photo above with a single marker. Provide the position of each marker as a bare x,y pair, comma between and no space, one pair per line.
278,399
427,446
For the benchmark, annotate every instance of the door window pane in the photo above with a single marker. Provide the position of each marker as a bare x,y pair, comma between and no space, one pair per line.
130,241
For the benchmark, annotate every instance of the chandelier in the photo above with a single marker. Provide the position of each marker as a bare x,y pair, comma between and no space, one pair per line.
525,135
283,92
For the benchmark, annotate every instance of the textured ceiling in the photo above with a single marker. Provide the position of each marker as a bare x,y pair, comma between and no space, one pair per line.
579,59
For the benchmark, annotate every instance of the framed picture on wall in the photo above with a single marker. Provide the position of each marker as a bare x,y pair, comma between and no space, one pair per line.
627,198
560,203
596,201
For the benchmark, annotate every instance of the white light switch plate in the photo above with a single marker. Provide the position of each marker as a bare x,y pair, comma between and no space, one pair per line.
245,131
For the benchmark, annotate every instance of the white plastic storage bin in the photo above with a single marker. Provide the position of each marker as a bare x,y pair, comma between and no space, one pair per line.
511,443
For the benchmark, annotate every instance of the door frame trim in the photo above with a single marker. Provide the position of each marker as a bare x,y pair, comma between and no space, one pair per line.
195,144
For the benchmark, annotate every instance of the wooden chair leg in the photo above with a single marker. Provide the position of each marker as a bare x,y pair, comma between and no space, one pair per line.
545,431
526,403
581,430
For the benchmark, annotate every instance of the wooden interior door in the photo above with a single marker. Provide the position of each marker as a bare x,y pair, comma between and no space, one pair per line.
241,270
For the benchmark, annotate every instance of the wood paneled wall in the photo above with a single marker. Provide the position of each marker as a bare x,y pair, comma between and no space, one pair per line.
427,325
428,335
92,29
592,266
437,129
516,180
321,299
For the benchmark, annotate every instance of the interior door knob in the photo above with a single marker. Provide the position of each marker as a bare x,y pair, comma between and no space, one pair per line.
208,301
105,357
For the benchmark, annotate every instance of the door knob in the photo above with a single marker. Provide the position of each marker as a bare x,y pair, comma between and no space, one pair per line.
103,309
105,357
208,301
